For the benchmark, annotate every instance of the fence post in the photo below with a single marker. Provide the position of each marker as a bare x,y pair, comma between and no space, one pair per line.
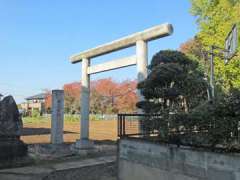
57,116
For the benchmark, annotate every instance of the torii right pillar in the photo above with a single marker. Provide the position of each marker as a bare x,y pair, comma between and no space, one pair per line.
142,62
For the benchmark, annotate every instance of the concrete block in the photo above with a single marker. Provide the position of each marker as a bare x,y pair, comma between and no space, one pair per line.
183,177
144,160
215,174
135,171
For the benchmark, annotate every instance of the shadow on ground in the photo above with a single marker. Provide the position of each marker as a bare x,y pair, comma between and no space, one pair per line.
40,131
105,142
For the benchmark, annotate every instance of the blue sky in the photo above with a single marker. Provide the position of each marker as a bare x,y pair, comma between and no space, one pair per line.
37,38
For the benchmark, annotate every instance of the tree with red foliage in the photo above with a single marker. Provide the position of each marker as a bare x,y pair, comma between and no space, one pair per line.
195,50
48,101
116,97
105,89
72,97
127,98
106,96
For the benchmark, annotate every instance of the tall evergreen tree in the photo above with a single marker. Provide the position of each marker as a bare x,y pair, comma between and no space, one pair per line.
174,84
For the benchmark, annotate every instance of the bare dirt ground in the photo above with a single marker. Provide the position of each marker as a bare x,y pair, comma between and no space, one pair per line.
39,132
103,132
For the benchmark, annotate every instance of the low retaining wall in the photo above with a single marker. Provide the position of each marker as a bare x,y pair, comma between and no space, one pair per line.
141,160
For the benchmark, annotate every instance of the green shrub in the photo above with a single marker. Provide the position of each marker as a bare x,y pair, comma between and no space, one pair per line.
35,113
71,118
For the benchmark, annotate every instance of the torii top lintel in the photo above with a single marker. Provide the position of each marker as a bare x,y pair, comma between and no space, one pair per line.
125,42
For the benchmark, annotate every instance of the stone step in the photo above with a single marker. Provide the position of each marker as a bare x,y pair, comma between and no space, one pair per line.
64,170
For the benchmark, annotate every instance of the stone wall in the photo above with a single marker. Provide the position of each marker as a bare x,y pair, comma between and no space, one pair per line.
141,160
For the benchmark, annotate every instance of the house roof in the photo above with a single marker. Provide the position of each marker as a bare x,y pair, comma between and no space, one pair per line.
37,96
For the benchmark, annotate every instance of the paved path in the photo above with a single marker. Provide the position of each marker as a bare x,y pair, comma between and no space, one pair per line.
64,170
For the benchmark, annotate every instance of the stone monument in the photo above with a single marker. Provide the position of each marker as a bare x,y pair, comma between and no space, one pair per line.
11,146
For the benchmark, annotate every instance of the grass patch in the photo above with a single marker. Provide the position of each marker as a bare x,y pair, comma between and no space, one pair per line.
69,118
40,119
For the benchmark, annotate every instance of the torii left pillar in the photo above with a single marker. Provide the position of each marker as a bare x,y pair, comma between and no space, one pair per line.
84,142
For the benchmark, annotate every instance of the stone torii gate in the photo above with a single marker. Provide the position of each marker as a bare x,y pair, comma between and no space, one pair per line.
139,40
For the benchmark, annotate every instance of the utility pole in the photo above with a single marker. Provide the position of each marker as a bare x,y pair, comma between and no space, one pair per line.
231,44
212,83
212,55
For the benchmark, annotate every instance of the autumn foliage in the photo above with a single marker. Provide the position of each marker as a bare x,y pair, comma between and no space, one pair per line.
106,96
72,97
48,100
114,97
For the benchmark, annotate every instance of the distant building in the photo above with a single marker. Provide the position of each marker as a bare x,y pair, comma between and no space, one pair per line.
36,102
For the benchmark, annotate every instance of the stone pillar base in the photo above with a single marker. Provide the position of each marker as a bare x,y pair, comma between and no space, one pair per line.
83,147
84,144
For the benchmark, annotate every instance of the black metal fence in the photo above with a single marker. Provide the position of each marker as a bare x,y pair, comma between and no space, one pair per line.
152,127
134,125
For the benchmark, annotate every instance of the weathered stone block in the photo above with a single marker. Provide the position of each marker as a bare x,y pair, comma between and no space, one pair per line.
10,130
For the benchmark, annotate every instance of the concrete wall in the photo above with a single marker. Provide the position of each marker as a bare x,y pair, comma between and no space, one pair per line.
141,160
